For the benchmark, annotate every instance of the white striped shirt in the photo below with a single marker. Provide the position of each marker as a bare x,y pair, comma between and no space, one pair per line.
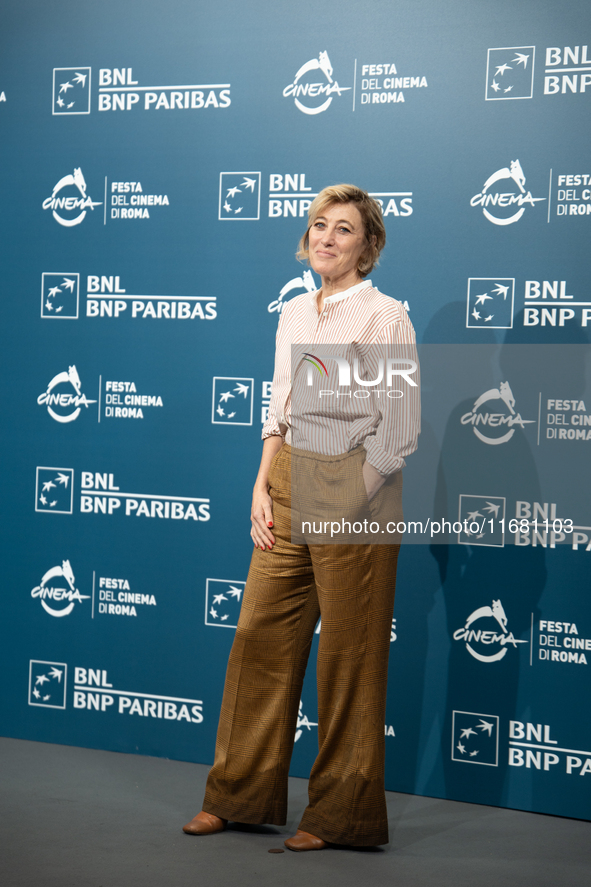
360,324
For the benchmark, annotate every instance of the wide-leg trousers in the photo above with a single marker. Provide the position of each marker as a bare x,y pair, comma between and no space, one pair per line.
288,588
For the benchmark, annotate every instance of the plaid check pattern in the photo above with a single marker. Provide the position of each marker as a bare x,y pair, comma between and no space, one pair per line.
288,589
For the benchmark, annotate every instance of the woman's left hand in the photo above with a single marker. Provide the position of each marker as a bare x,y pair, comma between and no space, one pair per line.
372,479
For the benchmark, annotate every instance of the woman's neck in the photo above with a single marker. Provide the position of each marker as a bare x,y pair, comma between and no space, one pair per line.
330,287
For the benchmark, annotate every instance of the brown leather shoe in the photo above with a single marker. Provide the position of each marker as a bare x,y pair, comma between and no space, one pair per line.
304,841
205,824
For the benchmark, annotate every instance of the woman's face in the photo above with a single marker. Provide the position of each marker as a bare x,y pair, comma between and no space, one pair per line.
336,242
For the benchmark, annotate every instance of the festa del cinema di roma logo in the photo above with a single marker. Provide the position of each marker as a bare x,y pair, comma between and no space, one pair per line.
304,90
47,591
67,401
472,636
70,208
502,203
495,420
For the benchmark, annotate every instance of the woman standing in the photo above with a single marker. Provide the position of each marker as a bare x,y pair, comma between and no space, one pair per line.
356,449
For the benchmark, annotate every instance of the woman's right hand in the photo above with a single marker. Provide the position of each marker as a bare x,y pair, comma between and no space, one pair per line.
261,517
261,513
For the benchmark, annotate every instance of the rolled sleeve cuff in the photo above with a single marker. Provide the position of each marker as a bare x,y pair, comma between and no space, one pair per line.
271,427
385,463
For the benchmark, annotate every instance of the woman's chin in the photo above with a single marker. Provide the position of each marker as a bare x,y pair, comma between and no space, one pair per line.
320,267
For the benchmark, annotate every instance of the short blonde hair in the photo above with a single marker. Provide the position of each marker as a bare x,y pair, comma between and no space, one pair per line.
371,215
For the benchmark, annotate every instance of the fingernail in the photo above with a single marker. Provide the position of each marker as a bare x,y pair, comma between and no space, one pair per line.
270,524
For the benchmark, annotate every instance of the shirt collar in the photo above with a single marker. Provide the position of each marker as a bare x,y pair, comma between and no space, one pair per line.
338,297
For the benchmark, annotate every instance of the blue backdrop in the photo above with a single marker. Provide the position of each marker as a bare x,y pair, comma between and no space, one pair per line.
158,160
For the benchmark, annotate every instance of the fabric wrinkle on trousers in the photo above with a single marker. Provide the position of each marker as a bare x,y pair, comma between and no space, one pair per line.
288,588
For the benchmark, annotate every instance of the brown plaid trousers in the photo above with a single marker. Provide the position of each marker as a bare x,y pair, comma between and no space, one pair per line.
288,589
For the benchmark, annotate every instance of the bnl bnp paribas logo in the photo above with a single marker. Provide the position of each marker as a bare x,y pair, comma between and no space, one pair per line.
118,91
52,674
54,490
71,91
240,196
232,401
475,738
481,520
314,88
510,71
94,692
507,206
490,302
289,196
223,599
60,293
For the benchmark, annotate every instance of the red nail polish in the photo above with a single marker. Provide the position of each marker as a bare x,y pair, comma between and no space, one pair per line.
270,524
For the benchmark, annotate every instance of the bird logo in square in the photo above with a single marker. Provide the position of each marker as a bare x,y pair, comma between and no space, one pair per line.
71,91
54,490
490,302
510,73
223,599
232,401
240,196
483,521
47,683
60,295
475,738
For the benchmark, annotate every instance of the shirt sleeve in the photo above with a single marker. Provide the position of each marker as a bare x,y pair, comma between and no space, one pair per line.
398,431
271,426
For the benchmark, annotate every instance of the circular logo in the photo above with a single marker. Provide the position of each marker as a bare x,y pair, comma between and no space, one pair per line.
69,201
64,398
480,639
499,207
313,86
498,417
46,591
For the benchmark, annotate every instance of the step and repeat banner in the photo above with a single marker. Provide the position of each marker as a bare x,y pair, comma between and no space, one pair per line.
158,162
